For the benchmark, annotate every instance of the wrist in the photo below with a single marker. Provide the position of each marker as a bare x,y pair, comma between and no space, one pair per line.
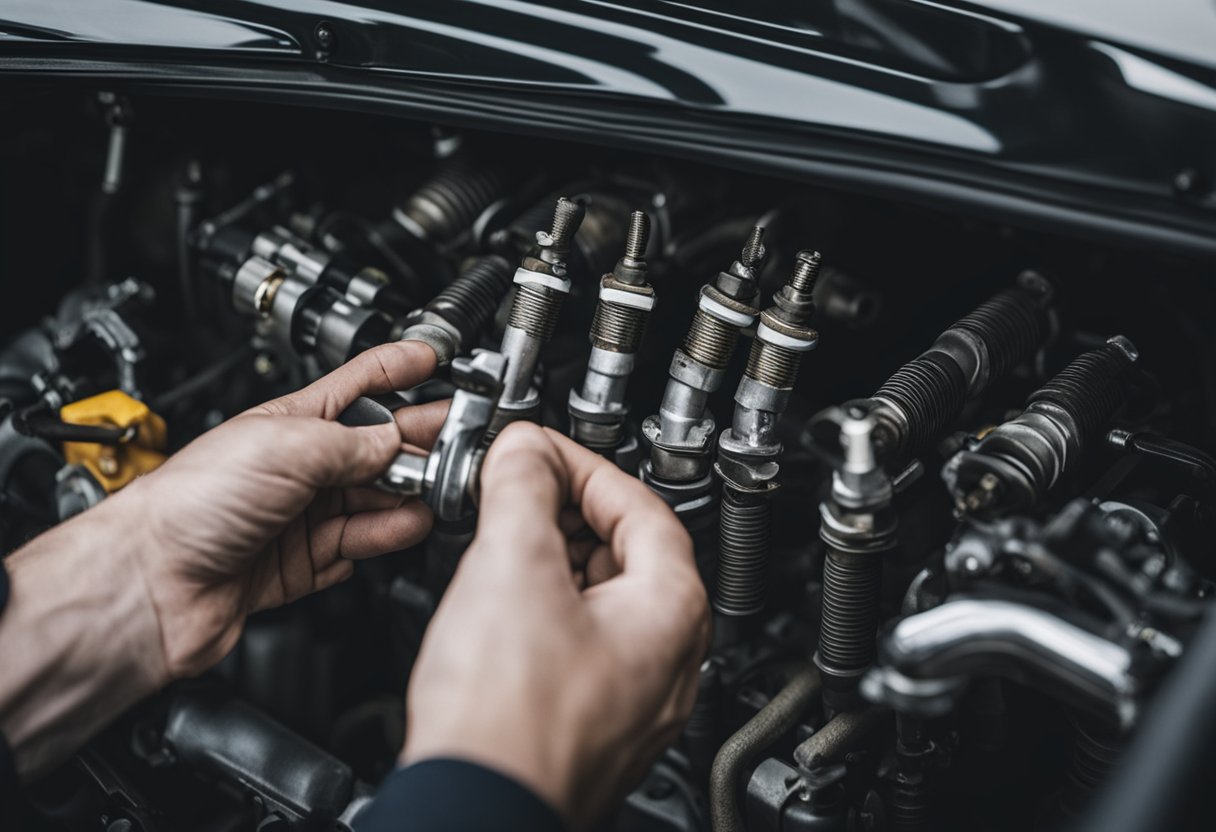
81,641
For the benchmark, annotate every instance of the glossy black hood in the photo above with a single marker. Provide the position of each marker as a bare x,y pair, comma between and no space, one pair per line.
1095,115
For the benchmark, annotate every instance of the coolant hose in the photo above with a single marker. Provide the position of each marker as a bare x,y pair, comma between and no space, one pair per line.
762,730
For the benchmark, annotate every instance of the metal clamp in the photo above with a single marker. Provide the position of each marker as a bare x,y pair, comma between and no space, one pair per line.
446,478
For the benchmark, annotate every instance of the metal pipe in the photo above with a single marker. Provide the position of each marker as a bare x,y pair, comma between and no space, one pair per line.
773,720
926,659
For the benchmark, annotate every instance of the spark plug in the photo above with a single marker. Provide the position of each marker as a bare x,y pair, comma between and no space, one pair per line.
1014,466
748,449
858,525
452,320
597,413
680,434
928,393
542,283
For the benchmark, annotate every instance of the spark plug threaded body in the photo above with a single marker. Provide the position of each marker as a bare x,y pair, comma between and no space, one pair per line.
681,434
598,409
541,285
748,450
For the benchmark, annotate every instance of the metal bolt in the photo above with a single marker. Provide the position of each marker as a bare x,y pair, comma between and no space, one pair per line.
108,465
264,364
806,270
324,36
639,235
753,249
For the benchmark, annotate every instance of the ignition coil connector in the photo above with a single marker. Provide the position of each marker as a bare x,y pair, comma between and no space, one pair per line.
1014,465
452,320
681,433
748,450
928,393
446,205
542,282
597,412
859,525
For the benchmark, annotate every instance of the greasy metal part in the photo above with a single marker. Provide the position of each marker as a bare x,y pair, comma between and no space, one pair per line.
858,525
305,316
681,433
910,808
541,284
927,659
1096,751
451,322
447,477
838,736
748,450
446,205
780,715
626,299
1014,465
927,394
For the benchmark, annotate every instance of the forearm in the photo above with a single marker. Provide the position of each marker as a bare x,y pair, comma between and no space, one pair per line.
79,639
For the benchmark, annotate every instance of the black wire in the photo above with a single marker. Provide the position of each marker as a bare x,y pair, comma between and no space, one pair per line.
201,380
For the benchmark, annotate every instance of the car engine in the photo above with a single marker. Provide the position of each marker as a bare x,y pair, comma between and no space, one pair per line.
946,476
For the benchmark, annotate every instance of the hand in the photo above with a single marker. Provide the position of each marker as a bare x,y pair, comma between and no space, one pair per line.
268,507
155,582
564,659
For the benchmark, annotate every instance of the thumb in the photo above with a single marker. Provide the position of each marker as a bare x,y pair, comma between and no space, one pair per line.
328,455
524,485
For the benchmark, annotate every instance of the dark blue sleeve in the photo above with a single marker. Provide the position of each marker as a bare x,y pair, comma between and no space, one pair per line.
455,796
9,784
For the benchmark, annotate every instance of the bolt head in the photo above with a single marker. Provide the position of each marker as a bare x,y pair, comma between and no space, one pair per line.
323,34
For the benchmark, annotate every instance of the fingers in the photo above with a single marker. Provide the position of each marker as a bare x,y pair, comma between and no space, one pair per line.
523,488
644,536
371,533
420,425
396,366
326,454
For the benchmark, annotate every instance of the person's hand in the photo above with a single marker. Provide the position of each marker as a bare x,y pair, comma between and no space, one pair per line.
565,651
268,507
155,582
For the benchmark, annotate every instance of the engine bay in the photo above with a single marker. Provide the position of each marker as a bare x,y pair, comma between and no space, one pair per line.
947,478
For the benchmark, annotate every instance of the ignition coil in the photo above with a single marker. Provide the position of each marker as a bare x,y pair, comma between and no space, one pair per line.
1014,465
598,411
542,282
859,525
748,449
928,393
452,320
447,204
680,435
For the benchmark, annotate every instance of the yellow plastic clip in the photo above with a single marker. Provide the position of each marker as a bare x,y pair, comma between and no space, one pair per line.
116,465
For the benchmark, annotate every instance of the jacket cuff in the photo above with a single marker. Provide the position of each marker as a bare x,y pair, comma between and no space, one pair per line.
455,796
